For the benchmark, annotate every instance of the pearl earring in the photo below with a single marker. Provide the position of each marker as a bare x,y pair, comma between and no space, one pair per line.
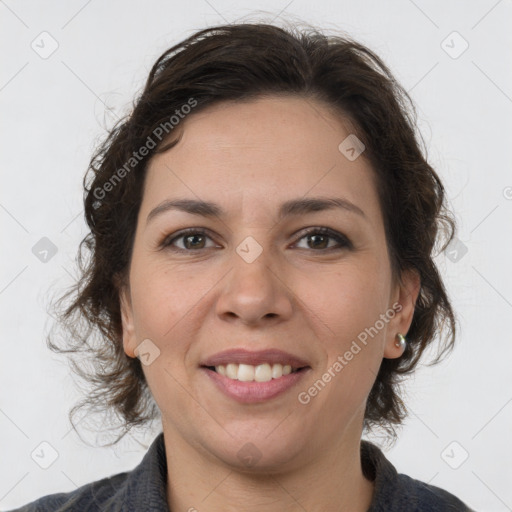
401,341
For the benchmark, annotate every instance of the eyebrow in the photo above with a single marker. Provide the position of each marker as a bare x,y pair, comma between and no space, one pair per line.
293,207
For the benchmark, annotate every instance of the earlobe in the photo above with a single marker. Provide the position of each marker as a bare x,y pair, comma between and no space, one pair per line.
408,291
127,322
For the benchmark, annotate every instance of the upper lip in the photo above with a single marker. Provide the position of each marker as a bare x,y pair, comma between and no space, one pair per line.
242,356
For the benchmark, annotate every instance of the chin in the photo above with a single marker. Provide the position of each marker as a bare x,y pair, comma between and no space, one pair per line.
255,451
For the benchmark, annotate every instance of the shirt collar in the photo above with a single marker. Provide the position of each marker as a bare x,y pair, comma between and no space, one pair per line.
146,485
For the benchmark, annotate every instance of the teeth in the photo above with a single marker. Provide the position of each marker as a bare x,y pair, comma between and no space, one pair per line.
249,373
245,372
277,371
262,373
231,371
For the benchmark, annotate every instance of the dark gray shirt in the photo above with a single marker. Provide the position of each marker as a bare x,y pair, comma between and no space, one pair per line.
144,489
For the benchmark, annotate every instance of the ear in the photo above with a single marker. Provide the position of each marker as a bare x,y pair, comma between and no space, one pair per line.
129,338
404,297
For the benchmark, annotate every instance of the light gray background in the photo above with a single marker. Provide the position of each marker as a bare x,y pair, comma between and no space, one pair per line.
54,110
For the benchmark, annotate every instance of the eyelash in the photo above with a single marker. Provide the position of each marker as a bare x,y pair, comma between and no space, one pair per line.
342,240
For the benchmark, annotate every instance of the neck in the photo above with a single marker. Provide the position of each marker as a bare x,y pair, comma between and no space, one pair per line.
332,481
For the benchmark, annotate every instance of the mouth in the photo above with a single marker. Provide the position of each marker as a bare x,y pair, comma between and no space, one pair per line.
250,373
251,377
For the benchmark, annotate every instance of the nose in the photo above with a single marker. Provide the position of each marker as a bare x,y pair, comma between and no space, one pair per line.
255,291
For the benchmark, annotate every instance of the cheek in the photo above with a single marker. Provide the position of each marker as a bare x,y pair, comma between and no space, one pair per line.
165,305
164,302
349,303
349,299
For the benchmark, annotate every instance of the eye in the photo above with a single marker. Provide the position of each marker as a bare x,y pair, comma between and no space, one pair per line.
319,238
193,239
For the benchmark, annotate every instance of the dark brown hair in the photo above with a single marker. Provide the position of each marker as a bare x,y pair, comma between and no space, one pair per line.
236,63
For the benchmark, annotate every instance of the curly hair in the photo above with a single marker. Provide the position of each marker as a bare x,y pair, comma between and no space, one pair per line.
240,62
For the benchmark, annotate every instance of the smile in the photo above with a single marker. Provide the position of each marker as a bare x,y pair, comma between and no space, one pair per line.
248,373
254,377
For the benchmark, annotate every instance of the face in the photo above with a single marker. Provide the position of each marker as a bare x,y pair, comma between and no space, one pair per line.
219,313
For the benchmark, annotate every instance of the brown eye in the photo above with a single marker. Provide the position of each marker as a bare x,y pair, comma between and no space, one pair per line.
319,239
192,239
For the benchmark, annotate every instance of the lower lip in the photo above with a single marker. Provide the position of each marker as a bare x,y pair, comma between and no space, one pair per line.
254,392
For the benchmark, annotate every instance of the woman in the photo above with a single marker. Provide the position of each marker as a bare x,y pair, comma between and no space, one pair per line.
261,272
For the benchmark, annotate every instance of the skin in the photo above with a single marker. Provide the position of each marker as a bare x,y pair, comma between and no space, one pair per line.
297,296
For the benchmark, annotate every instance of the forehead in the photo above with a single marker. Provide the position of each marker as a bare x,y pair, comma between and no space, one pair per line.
260,153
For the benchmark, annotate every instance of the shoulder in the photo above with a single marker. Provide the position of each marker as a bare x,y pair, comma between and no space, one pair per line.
419,496
104,494
397,492
143,488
